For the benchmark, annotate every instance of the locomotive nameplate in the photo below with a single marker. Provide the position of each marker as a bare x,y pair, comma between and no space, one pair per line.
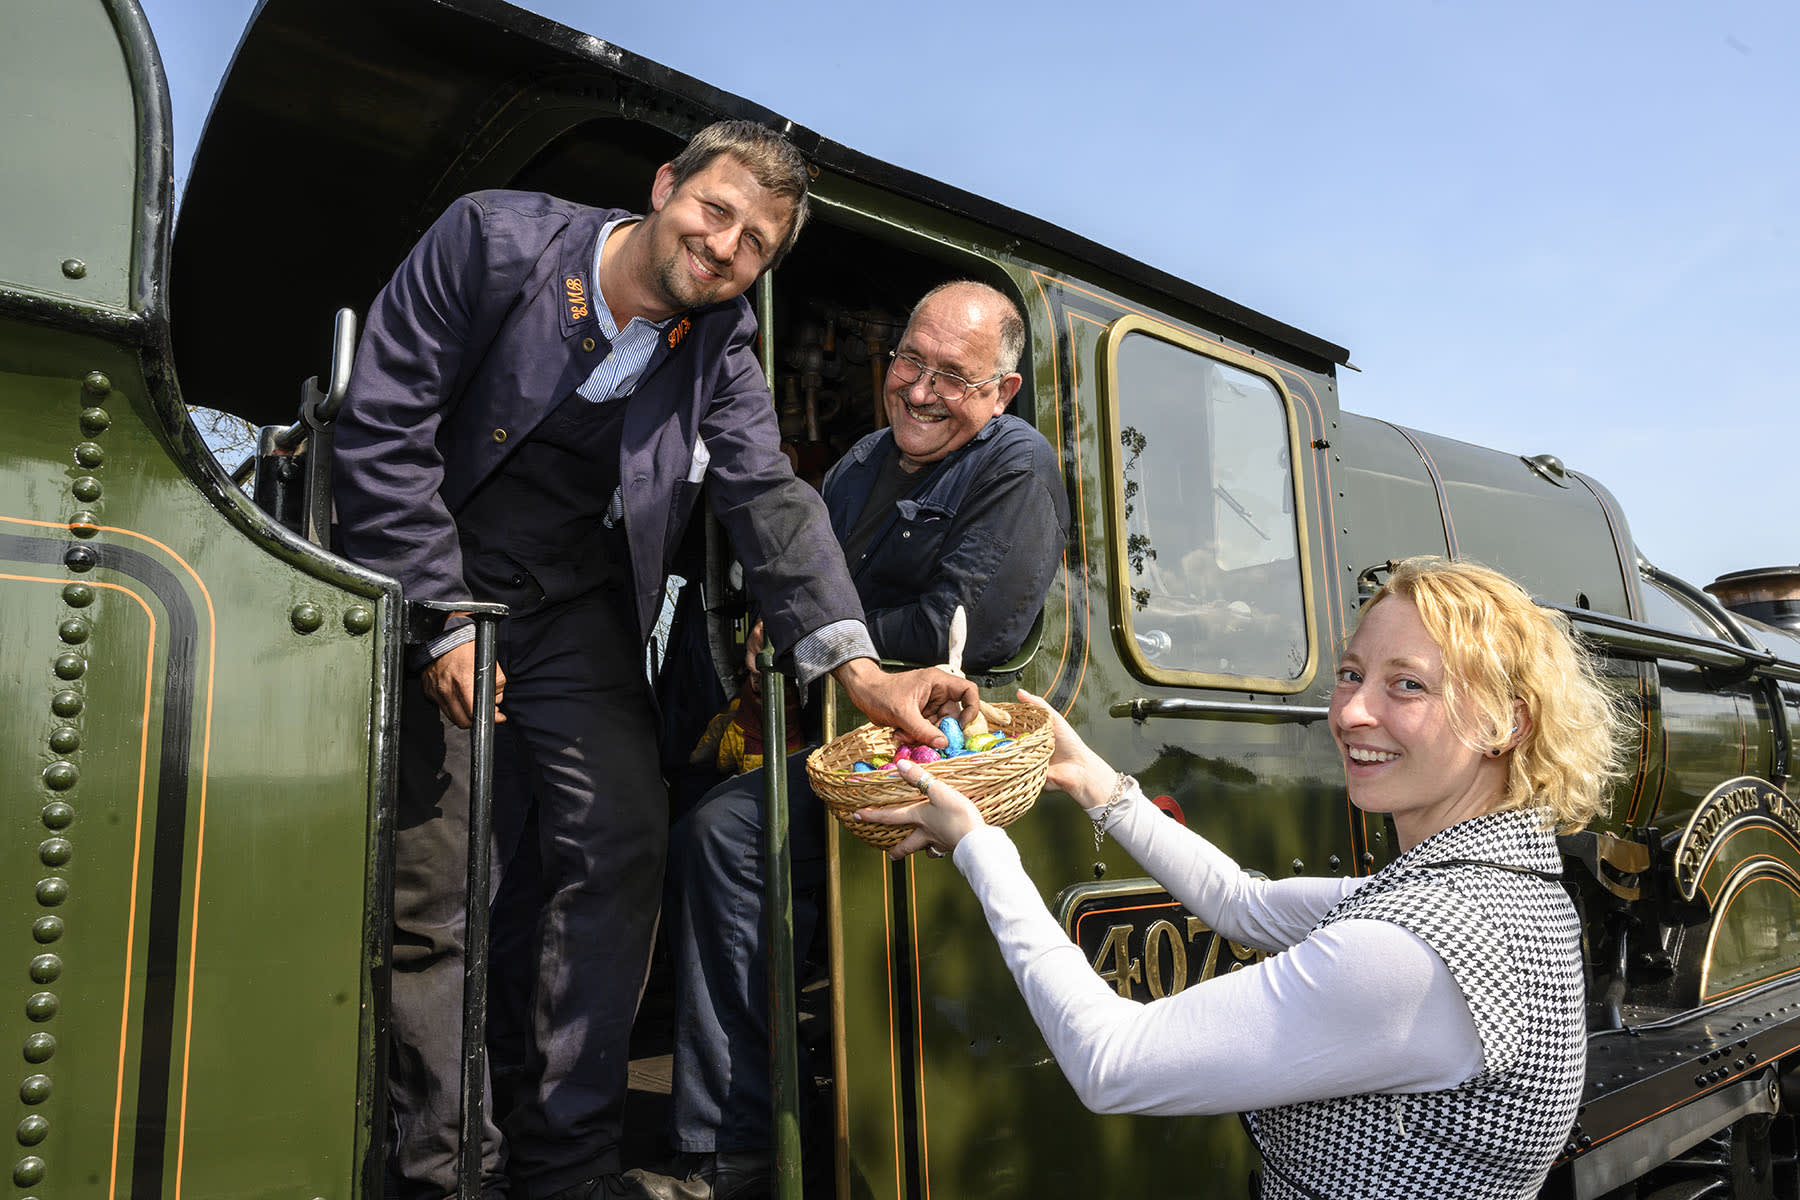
1142,941
1730,808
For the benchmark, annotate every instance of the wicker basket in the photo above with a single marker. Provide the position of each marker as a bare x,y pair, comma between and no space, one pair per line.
1003,783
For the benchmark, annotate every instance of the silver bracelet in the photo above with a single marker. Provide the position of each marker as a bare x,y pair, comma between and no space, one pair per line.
1099,815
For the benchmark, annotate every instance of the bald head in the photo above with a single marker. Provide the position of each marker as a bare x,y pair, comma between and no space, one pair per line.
955,369
994,306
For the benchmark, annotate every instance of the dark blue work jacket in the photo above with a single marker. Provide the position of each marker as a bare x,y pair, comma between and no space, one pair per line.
985,529
484,329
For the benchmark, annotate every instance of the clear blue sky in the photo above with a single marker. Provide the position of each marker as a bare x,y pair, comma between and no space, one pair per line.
1545,227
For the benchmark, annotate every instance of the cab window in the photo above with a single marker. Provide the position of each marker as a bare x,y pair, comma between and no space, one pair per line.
1208,551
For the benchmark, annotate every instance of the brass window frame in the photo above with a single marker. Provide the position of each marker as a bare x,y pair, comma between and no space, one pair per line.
1118,590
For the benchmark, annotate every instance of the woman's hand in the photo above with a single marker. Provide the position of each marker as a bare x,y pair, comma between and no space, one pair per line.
1074,768
942,819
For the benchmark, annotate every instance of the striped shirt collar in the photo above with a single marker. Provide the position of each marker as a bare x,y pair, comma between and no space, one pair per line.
632,348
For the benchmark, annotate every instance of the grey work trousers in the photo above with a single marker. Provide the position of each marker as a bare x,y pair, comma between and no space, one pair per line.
579,742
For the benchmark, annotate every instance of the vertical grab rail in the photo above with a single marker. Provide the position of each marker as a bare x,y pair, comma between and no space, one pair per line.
425,618
778,912
475,936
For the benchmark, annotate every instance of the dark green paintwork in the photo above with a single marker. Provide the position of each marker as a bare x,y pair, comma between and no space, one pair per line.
190,852
274,853
276,886
71,153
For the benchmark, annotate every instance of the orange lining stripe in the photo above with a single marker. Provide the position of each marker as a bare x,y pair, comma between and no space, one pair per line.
1081,499
1718,847
1743,741
912,913
137,842
1669,1108
1718,920
887,929
200,831
1077,517
1107,912
1643,763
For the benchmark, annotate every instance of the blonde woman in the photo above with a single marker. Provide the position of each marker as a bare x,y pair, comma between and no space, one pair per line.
1415,1033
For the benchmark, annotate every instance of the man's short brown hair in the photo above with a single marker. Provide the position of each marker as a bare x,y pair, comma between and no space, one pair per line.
770,158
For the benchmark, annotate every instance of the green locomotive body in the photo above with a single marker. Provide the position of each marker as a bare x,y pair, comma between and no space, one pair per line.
203,701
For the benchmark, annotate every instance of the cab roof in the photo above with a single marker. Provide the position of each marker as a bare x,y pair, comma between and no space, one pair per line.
343,127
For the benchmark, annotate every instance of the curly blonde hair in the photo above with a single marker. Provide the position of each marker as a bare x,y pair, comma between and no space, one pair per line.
1501,649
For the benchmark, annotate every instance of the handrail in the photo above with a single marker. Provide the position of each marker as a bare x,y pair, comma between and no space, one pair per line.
1144,708
424,618
778,891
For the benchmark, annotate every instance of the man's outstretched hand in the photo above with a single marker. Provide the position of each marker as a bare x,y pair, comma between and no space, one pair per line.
912,702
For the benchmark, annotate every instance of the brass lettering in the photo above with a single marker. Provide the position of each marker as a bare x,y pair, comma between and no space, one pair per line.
1125,969
1209,961
1242,955
1161,932
1719,812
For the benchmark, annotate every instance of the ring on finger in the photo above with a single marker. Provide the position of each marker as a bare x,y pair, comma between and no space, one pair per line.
934,852
923,781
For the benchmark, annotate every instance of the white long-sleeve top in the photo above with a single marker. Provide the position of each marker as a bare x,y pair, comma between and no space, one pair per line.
1359,1006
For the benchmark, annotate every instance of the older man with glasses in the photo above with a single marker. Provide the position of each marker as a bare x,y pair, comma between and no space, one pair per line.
956,504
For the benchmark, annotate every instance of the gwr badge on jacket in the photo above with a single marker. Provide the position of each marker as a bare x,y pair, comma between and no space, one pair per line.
577,294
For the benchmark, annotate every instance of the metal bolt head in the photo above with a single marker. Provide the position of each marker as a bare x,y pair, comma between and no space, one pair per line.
58,814
78,595
41,1006
95,420
306,618
86,489
358,620
29,1171
89,454
74,268
39,1047
47,929
32,1130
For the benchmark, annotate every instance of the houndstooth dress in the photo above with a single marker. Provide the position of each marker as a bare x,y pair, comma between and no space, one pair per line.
1512,943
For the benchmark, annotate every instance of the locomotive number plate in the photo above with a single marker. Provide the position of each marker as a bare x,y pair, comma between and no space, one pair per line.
1140,940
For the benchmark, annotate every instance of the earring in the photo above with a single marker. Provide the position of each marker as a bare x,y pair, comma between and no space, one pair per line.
1495,752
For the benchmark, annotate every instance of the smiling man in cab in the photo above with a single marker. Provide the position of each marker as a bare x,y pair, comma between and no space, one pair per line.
956,504
539,394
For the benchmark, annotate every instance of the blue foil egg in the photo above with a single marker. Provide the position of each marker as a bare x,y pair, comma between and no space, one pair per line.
953,732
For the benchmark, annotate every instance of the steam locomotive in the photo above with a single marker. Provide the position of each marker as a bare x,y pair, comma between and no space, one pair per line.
200,739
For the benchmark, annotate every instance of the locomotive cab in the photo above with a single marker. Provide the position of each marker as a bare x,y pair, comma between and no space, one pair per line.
203,703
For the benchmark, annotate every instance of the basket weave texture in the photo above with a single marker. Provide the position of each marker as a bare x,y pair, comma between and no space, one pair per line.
1003,783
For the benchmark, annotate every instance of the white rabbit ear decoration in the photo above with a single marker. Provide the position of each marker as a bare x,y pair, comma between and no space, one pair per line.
959,637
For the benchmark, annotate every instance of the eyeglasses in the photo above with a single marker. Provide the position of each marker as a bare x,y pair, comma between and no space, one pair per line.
945,385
